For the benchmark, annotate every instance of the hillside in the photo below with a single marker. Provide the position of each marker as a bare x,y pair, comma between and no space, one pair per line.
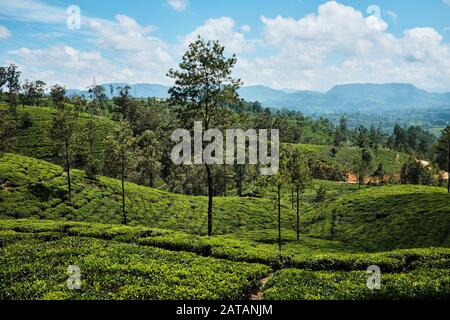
379,218
35,188
344,158
34,141
383,218
148,261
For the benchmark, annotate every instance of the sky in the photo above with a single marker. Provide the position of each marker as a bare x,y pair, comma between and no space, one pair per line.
283,44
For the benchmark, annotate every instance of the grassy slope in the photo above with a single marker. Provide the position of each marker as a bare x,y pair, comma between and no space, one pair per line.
34,188
370,219
345,156
390,217
35,141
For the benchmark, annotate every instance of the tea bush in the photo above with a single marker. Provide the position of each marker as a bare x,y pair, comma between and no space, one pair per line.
294,284
35,267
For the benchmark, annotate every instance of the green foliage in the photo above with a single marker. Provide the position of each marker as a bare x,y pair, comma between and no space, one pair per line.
414,172
308,253
380,218
8,131
329,165
38,188
34,141
114,270
293,284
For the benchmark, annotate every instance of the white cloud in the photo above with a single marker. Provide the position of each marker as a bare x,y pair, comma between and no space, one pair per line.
246,28
4,32
130,52
32,10
225,30
178,5
339,44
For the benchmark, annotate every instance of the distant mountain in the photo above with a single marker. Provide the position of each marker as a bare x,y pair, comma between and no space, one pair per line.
372,98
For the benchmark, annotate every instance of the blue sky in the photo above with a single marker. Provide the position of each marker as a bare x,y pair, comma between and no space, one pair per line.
298,44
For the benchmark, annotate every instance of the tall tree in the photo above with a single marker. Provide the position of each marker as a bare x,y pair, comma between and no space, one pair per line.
363,164
119,156
341,133
13,84
8,130
62,131
203,86
32,92
3,78
126,105
149,155
300,178
99,99
89,138
443,152
321,195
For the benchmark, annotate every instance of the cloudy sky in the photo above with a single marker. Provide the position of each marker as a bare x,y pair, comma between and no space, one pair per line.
289,44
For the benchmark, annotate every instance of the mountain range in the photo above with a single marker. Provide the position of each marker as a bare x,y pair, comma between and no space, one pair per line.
372,98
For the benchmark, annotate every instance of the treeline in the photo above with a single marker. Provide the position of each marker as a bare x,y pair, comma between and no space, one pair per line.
413,141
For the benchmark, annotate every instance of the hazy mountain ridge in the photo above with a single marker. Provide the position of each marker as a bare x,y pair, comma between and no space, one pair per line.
341,98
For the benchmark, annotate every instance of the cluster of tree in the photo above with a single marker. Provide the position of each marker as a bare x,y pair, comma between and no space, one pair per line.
413,140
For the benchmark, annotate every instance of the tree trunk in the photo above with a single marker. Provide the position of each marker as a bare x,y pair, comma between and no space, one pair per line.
151,180
279,217
69,182
298,213
448,165
239,189
124,214
292,198
210,200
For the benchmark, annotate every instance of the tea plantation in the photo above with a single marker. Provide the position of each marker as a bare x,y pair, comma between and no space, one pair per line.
389,217
34,140
164,255
35,188
120,262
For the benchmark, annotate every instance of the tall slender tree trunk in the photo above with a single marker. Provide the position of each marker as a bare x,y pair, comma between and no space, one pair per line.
279,216
124,213
298,213
292,198
69,181
210,200
448,165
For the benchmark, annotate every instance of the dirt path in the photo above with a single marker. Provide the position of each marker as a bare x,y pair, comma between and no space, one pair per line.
258,294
